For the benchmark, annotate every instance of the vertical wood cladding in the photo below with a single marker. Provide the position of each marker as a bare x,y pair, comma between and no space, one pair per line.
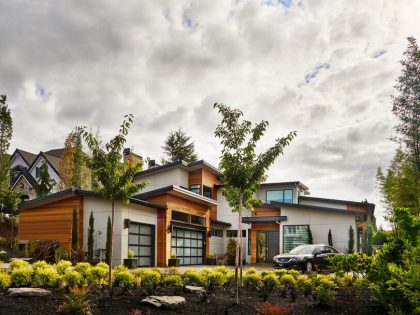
52,221
259,227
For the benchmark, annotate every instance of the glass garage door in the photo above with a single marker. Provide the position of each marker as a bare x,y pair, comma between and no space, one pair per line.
141,240
188,246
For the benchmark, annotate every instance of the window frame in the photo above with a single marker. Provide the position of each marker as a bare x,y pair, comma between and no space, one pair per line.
193,188
209,190
283,236
282,190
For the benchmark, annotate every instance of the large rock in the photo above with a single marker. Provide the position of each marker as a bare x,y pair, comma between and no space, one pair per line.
194,289
167,302
27,292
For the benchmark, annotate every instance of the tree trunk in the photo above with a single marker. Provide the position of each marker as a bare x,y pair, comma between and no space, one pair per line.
240,240
112,242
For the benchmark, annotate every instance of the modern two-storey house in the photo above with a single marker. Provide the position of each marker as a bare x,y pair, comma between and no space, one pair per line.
183,211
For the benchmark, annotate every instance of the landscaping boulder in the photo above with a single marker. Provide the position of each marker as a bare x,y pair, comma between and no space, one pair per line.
167,302
194,289
27,292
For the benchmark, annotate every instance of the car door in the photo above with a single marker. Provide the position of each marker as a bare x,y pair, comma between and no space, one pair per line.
322,257
317,260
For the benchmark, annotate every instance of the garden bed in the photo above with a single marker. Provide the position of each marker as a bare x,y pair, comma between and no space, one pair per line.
220,300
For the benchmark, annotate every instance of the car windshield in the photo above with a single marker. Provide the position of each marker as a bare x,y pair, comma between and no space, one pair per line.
302,249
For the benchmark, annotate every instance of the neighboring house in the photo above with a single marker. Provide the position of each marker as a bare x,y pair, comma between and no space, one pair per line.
183,211
25,168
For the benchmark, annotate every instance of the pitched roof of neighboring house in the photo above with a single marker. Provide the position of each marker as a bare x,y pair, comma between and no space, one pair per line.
29,178
77,192
53,161
182,164
177,191
28,157
58,153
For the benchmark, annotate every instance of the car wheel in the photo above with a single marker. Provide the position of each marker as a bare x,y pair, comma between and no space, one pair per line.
309,266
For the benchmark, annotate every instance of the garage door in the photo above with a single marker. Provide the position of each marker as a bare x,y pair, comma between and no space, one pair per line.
189,246
141,239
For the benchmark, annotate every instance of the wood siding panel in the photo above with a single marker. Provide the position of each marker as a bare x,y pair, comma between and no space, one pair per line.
210,180
52,222
259,227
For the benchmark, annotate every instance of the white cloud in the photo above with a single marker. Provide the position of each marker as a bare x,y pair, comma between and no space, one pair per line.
64,64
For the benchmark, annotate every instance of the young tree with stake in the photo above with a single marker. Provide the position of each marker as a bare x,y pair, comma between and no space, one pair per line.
243,169
115,179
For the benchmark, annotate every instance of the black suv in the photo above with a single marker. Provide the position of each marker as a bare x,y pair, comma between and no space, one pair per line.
305,257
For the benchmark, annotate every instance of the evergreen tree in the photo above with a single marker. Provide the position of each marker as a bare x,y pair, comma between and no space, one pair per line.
178,147
368,243
90,237
108,250
243,169
310,238
75,233
330,242
45,182
350,249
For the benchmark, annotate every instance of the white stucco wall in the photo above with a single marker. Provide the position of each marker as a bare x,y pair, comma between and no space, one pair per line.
217,245
17,161
176,176
53,174
323,204
320,222
101,209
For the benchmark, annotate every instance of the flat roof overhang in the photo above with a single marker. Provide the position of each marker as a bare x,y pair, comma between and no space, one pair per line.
221,223
272,219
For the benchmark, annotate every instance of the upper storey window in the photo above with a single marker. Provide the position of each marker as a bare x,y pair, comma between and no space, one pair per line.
196,189
206,191
284,195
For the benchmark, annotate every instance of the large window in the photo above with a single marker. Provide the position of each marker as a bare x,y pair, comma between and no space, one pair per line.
294,235
285,195
196,189
206,191
216,232
234,233
188,218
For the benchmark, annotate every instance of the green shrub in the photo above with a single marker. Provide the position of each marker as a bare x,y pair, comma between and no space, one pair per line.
98,275
77,302
120,268
125,279
5,280
325,291
62,266
40,264
18,263
173,280
3,255
222,269
252,280
216,279
73,278
192,277
60,254
45,277
22,277
270,281
149,278
280,272
287,280
251,271
205,272
362,281
157,269
83,268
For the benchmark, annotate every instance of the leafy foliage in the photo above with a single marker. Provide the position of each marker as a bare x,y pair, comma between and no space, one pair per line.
60,254
5,280
83,268
98,274
253,280
192,277
73,278
231,251
21,277
178,147
6,131
125,279
270,281
18,263
45,277
77,302
216,279
174,280
62,266
288,280
149,278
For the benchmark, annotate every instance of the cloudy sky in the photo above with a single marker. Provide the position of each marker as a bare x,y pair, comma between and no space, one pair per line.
323,68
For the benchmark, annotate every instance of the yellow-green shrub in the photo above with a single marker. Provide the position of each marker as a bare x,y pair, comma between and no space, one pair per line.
325,291
82,268
304,283
270,281
192,277
280,272
62,265
222,269
149,278
230,278
294,273
205,271
216,279
287,280
173,271
157,269
266,272
40,264
252,280
102,265
22,277
119,268
73,278
18,263
98,275
173,280
361,281
124,278
251,271
45,277
5,280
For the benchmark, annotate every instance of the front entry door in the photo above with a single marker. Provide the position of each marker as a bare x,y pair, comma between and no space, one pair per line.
267,245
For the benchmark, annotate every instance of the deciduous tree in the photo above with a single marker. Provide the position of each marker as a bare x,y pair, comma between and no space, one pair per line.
242,167
115,178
